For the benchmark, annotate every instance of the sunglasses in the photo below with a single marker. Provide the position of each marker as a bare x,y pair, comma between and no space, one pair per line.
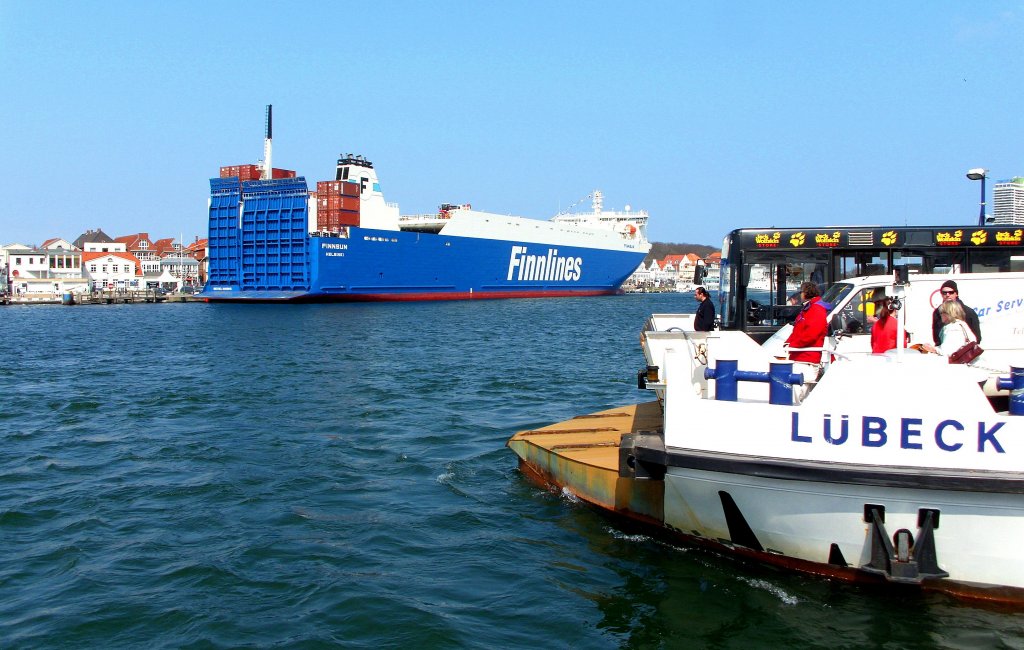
948,292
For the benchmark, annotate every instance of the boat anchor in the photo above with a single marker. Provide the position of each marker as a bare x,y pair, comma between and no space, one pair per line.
902,560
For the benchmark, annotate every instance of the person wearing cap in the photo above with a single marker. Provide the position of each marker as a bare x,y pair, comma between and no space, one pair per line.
951,293
884,330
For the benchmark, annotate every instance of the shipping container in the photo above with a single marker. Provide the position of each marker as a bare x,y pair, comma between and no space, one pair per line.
242,172
342,188
338,203
331,220
282,173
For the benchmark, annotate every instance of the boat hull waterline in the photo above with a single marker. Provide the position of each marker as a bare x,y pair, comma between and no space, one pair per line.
894,468
776,521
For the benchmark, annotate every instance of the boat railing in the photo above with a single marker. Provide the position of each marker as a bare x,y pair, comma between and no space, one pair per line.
828,355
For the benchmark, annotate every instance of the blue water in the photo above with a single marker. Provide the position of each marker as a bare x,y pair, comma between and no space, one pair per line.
192,475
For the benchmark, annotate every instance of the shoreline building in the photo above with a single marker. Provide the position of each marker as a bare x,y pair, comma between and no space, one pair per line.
141,246
1008,202
42,272
111,270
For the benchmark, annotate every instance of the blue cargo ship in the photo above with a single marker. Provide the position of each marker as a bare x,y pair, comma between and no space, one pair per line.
274,240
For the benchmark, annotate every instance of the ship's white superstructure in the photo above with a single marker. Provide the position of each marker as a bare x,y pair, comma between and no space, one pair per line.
609,230
628,223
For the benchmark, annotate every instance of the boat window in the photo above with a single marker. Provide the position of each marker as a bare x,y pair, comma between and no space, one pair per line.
930,261
995,261
914,263
811,272
854,265
763,290
835,293
726,294
769,282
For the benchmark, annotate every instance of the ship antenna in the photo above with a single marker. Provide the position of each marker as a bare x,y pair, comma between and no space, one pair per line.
267,167
589,196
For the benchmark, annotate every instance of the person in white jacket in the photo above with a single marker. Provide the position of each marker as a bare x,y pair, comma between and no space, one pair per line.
954,333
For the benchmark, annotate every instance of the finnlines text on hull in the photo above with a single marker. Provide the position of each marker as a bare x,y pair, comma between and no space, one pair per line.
545,268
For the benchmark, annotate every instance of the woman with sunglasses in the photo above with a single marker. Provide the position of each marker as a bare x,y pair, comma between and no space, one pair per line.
951,294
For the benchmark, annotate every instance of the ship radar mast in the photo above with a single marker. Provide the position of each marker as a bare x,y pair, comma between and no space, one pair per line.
267,173
598,201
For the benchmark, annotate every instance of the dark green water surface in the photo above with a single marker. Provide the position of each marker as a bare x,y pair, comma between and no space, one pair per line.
210,476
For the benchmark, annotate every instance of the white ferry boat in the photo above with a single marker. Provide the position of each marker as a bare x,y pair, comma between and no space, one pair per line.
894,469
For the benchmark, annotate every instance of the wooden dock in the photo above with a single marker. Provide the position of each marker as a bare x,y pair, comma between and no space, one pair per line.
103,298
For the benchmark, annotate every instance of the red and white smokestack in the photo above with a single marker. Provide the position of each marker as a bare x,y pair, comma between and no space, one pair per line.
267,164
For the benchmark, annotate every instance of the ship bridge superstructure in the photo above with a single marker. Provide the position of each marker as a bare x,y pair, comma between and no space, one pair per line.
630,224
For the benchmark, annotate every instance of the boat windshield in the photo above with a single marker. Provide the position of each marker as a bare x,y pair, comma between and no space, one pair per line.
836,292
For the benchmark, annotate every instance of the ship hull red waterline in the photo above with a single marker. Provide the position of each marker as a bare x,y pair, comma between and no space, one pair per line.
418,297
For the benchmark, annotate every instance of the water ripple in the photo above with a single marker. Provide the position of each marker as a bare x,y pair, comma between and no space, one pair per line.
335,475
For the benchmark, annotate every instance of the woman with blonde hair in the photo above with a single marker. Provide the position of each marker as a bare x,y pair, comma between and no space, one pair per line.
954,333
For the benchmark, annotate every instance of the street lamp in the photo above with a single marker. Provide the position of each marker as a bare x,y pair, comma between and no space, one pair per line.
978,174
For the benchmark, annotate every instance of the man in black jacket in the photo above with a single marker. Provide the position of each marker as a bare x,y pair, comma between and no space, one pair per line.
704,321
950,292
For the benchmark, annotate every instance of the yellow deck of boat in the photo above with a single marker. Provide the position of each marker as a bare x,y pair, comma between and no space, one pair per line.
581,456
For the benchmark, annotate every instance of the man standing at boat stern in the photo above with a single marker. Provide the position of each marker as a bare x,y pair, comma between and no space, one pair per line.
949,293
704,321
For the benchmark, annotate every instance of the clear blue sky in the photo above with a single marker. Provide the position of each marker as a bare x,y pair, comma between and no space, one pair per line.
711,116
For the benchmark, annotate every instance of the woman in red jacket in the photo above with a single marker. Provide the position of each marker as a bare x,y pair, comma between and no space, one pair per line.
810,327
884,331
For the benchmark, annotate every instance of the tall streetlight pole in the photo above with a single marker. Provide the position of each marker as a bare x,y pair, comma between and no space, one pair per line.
979,174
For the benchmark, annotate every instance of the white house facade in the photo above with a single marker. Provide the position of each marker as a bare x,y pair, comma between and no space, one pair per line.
115,270
63,259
